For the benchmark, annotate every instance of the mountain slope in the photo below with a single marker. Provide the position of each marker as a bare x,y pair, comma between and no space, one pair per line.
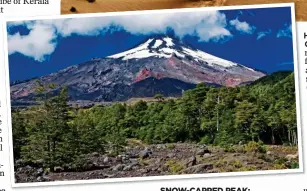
159,65
272,78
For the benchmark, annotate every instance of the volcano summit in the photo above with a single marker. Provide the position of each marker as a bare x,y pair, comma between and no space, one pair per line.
161,65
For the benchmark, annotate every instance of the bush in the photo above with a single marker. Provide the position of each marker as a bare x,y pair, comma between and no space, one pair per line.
281,161
174,166
279,167
265,157
234,148
77,165
294,165
236,164
205,140
248,168
144,162
229,149
171,146
220,163
255,147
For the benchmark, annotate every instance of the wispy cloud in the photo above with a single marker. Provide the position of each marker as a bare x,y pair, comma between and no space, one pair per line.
42,38
262,34
285,32
285,63
240,12
242,27
251,13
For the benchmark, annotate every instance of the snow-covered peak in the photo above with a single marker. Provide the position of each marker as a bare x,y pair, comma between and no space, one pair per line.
158,47
129,53
166,47
210,59
169,41
157,43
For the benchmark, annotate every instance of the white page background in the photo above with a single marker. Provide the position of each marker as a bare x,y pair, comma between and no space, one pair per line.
281,182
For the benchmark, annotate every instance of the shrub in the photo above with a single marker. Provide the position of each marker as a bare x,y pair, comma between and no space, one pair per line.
205,140
78,165
255,147
294,165
281,161
236,164
284,163
220,163
240,149
171,146
279,167
265,157
144,162
174,166
228,166
247,168
229,149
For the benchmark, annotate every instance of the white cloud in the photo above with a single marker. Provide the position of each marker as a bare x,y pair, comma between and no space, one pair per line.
285,32
41,41
262,34
243,27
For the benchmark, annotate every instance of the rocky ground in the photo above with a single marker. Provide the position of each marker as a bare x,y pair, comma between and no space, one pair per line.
164,159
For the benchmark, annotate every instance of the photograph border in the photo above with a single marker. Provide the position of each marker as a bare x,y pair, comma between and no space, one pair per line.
165,177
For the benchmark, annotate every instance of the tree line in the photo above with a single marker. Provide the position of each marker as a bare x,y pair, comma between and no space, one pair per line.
58,134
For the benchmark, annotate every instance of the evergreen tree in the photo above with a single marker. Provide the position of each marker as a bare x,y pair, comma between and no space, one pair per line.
54,132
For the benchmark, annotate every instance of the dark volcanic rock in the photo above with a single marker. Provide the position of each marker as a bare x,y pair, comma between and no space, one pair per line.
171,155
119,167
145,153
203,151
201,168
158,164
191,161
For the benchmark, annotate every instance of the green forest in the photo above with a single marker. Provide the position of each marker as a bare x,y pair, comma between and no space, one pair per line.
263,111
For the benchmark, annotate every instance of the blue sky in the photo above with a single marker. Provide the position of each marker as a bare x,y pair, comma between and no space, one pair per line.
257,38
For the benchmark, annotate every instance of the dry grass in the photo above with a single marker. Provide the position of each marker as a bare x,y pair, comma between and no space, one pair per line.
283,149
83,6
135,142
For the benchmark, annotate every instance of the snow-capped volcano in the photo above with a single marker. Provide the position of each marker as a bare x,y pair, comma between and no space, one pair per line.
158,47
166,47
160,64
